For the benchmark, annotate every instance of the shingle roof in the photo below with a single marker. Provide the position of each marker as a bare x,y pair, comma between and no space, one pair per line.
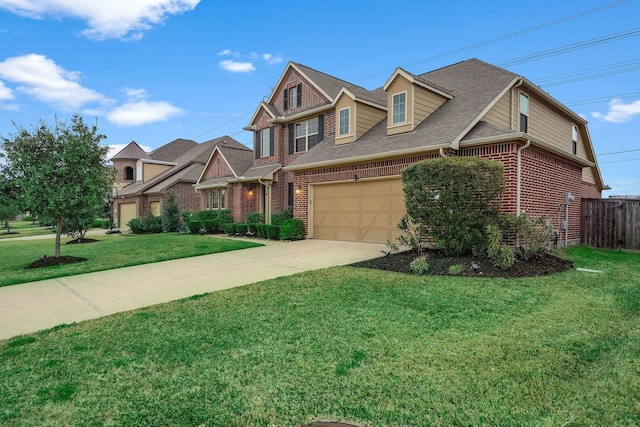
172,150
474,85
239,158
198,156
131,151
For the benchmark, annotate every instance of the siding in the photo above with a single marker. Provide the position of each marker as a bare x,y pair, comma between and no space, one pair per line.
150,170
400,84
500,113
425,103
345,102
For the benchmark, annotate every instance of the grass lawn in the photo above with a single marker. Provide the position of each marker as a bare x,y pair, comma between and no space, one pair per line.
110,251
371,347
23,229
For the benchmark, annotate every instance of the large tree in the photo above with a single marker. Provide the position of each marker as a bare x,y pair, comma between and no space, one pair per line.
9,206
61,170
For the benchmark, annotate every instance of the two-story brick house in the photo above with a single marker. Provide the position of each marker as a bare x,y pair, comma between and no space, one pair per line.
334,151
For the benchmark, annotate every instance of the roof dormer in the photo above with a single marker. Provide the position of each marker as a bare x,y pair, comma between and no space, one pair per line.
354,116
411,99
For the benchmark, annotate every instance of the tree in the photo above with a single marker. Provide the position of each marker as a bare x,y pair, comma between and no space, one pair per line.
453,199
171,218
9,207
61,170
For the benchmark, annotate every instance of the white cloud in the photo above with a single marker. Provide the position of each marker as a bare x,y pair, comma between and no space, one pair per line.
619,111
5,92
43,79
107,18
116,148
271,59
236,66
228,52
141,112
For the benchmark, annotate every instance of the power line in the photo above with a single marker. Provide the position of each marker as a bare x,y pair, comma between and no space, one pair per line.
606,98
620,161
570,48
618,152
507,36
222,125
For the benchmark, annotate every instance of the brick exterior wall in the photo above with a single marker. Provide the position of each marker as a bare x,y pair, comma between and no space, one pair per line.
118,166
216,168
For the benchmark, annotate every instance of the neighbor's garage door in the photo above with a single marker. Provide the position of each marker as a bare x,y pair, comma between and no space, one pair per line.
363,211
127,212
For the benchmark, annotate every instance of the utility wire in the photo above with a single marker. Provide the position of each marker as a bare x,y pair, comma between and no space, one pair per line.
507,36
570,48
618,152
222,125
593,76
606,98
620,161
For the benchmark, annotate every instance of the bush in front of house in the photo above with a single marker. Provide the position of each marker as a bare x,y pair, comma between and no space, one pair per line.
261,230
252,229
230,228
147,225
171,218
272,232
452,200
292,229
254,218
211,226
281,215
241,228
221,217
194,226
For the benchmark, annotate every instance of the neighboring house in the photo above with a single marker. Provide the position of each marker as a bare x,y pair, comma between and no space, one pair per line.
143,178
333,151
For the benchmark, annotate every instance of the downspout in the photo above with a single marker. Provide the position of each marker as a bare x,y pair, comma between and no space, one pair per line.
442,152
519,181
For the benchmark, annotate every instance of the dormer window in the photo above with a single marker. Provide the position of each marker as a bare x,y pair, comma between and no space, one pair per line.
524,113
344,127
128,173
293,97
399,108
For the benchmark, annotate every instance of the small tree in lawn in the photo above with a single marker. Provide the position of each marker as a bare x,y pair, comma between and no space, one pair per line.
9,206
61,170
453,199
171,218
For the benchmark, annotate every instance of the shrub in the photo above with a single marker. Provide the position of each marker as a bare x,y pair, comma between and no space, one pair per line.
154,224
292,229
282,215
186,216
225,216
254,218
194,226
206,215
171,218
419,265
211,226
411,235
500,256
230,228
150,224
29,218
262,230
252,229
272,231
455,269
241,228
452,200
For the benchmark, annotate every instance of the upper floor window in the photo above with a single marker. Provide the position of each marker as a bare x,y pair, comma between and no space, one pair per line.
399,109
304,132
344,125
293,97
128,173
574,139
524,113
265,139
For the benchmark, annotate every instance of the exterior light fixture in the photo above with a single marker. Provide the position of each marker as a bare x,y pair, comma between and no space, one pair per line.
251,192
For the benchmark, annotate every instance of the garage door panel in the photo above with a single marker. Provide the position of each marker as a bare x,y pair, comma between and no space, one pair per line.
362,211
127,213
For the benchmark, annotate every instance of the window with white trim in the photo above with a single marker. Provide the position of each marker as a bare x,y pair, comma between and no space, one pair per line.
265,139
344,126
574,139
524,113
303,132
399,108
214,199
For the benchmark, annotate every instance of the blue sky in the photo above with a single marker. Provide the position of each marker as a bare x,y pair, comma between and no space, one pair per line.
156,70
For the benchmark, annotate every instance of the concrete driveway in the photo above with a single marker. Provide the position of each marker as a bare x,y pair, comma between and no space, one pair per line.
34,306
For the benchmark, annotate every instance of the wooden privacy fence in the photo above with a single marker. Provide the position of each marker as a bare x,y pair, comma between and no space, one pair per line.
611,223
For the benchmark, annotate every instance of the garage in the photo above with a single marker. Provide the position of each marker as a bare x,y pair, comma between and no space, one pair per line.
362,211
127,213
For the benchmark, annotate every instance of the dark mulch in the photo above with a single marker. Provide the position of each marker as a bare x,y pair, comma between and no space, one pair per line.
9,233
439,264
85,240
48,261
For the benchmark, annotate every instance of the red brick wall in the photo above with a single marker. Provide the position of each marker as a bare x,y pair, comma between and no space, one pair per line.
188,199
119,165
590,191
217,168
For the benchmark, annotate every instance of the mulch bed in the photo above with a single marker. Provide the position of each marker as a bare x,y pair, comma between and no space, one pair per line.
85,240
439,263
48,261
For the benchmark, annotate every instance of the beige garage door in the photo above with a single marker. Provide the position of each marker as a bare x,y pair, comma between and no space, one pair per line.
127,212
154,207
363,211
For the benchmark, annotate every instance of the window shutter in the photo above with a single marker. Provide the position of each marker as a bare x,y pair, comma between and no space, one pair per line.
291,138
299,94
290,194
272,141
257,149
315,139
286,99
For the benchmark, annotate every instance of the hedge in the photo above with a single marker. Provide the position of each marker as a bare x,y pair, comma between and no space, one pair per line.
292,229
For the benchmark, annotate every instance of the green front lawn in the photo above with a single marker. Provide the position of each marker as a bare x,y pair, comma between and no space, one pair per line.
23,229
110,251
374,348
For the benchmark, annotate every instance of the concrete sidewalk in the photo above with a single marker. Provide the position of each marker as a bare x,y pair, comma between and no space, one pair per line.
31,307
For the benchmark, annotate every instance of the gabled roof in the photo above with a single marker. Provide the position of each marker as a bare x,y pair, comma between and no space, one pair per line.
188,168
474,86
172,150
131,151
418,80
